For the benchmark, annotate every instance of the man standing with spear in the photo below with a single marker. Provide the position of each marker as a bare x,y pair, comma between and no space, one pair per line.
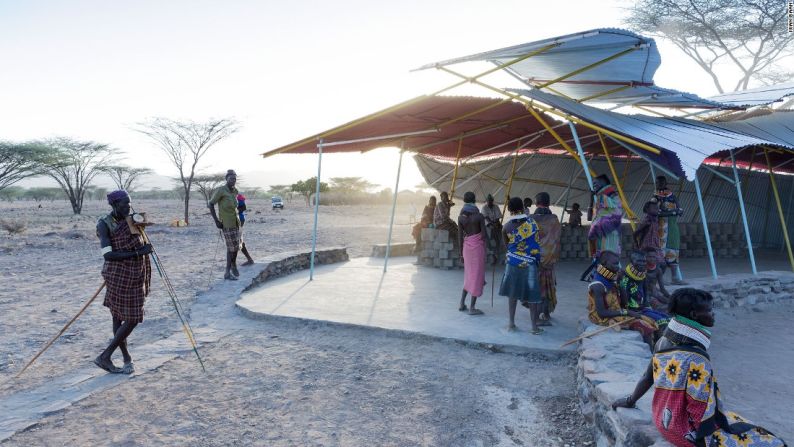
127,272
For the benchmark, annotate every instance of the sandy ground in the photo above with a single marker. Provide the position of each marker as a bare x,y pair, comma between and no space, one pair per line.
287,383
48,271
276,384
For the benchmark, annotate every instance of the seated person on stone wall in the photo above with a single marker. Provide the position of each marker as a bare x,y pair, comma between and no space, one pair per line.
442,221
632,291
657,296
603,304
425,222
687,406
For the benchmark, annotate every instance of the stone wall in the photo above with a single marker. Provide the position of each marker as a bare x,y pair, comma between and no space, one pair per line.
611,363
437,250
746,289
283,264
609,366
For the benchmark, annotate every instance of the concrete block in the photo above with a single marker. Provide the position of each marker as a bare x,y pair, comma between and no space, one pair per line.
442,235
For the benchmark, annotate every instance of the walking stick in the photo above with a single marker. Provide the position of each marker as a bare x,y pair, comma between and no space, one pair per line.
172,294
603,329
49,343
214,257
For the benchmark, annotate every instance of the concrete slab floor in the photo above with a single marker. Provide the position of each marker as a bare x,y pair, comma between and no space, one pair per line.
410,298
424,300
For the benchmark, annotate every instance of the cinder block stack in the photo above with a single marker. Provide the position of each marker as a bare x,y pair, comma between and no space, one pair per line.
438,251
573,243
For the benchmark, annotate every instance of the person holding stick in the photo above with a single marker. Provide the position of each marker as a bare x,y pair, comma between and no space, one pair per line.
127,272
550,233
229,222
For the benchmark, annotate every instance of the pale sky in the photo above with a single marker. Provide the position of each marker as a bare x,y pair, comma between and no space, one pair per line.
285,69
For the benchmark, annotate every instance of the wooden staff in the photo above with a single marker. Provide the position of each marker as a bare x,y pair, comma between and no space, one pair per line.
603,329
49,343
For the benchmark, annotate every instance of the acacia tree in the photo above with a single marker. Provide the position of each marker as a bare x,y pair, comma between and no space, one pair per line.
747,36
124,176
185,143
308,187
21,160
207,184
74,164
350,184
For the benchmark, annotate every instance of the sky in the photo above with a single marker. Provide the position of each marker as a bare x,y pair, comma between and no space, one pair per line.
284,69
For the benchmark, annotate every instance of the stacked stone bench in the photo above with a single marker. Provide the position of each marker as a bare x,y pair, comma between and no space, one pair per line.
437,250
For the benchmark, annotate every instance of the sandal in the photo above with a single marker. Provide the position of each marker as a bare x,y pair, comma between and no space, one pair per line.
463,308
109,366
544,323
538,331
128,368
476,312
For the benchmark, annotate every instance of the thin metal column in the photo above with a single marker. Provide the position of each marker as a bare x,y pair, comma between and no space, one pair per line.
581,155
738,185
316,207
705,228
393,207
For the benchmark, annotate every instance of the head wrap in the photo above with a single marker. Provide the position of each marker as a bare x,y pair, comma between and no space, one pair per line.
117,195
240,197
489,197
230,172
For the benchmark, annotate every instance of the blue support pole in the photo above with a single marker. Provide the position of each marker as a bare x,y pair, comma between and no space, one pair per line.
705,228
581,155
393,208
744,214
316,207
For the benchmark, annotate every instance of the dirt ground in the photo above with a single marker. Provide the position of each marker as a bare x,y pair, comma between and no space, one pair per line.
282,383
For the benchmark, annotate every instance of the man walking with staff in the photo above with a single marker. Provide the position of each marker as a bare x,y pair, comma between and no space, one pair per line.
228,221
127,273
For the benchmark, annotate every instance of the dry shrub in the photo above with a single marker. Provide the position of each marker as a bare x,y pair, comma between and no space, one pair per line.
13,226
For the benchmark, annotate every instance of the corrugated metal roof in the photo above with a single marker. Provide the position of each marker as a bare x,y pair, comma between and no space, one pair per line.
692,141
756,96
628,77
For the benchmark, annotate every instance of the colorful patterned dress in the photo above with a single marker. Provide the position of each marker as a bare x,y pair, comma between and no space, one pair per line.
604,232
520,279
612,302
632,286
669,235
687,406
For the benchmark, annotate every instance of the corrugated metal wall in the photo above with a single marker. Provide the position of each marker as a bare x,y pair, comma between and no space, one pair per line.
551,173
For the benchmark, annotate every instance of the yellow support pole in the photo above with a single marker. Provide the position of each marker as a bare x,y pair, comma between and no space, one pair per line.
632,216
489,177
455,173
604,93
510,183
563,115
556,136
779,209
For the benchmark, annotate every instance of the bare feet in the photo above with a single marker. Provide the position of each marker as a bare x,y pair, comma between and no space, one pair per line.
474,311
512,328
107,365
235,272
463,308
229,276
537,331
248,262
